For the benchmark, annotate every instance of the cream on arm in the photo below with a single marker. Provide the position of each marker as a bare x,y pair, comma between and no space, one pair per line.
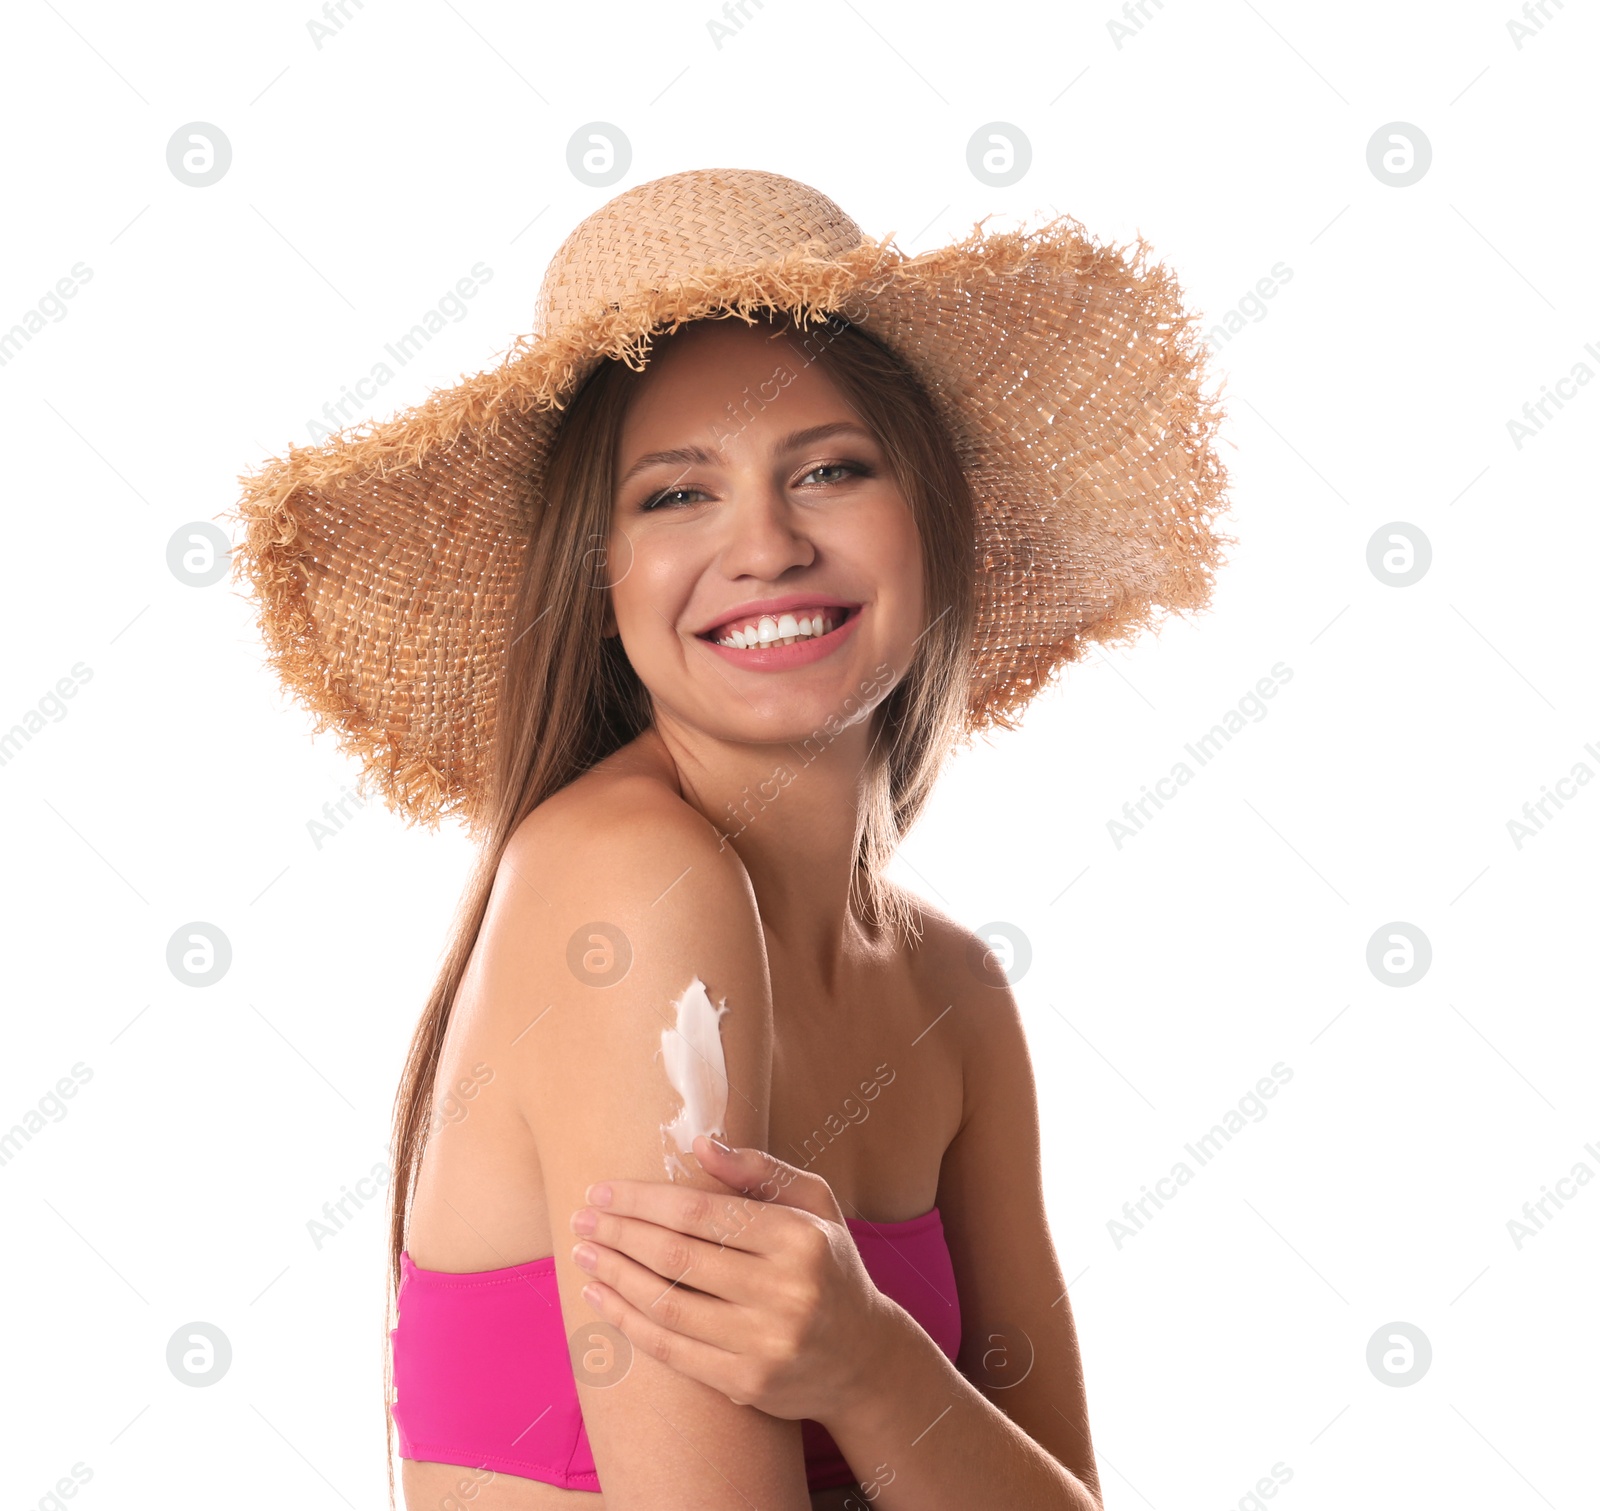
691,1050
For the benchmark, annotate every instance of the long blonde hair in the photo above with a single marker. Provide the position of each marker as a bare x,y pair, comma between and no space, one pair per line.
570,698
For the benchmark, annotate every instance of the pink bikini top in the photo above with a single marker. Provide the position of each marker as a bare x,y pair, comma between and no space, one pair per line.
482,1375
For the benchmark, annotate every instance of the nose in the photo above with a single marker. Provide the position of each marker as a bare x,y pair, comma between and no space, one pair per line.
765,533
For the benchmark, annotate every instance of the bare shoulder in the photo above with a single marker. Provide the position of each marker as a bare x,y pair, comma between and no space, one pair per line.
962,983
609,900
624,842
945,944
612,816
958,969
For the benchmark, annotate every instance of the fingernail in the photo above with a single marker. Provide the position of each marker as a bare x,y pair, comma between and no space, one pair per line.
584,1256
725,1148
583,1221
591,1294
598,1195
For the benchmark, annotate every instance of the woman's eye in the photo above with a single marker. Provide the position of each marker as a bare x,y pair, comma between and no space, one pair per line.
854,469
659,499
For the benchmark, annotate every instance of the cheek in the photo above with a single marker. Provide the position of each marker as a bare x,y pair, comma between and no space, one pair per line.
654,575
896,553
621,553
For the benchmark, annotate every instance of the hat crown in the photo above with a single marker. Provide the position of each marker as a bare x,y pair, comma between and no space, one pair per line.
670,229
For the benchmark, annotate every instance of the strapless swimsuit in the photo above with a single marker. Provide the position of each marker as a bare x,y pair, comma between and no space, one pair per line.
482,1375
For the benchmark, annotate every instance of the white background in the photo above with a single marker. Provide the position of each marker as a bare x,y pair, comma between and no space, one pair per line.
1167,975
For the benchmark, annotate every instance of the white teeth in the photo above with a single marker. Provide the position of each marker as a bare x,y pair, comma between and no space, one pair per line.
781,629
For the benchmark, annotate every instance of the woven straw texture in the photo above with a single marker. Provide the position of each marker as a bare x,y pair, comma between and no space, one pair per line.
1069,376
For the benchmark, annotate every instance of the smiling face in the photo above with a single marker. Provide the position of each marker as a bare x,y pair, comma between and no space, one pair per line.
754,507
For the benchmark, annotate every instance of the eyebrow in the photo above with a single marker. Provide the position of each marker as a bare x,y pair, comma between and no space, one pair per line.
690,455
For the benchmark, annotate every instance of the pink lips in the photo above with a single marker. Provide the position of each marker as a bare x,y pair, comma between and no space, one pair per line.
782,658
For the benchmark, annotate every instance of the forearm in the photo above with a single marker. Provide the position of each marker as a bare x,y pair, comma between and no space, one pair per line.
921,1437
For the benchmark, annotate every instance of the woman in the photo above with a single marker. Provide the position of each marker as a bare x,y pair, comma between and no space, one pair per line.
768,582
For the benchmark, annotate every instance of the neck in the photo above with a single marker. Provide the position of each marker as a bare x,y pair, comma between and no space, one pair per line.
790,814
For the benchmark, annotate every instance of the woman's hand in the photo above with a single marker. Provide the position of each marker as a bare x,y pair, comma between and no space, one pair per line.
761,1295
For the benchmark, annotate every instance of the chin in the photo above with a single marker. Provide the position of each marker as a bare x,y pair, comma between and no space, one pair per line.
793,717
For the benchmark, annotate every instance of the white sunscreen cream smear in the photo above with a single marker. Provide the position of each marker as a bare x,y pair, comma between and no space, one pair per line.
692,1051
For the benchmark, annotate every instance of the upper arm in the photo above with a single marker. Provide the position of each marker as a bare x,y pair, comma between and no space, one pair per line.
1014,1306
645,886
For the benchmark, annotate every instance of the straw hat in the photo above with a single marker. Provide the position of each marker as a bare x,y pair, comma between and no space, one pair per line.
1068,375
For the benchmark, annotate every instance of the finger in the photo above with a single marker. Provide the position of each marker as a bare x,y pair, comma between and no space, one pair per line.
699,1361
765,1177
668,1303
727,1221
717,1269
